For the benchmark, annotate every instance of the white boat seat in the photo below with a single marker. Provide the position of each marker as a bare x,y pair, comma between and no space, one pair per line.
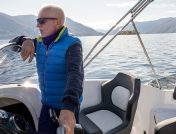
165,120
161,114
115,113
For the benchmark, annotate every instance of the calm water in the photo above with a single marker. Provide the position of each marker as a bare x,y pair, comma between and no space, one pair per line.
124,54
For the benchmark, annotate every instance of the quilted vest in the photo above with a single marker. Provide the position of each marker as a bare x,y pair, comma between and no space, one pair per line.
51,68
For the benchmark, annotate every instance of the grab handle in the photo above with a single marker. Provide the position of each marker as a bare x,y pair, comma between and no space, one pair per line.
61,130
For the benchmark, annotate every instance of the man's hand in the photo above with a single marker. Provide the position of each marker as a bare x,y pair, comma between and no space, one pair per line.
27,50
67,119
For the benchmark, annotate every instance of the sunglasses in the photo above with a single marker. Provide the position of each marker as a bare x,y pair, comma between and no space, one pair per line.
44,19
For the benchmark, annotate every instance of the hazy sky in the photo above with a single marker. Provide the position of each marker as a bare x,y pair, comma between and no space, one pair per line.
94,13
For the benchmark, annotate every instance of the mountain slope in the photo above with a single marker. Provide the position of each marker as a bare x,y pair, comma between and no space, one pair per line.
80,29
164,25
11,26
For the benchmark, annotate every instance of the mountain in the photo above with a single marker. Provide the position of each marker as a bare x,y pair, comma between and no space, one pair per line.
164,25
80,29
11,26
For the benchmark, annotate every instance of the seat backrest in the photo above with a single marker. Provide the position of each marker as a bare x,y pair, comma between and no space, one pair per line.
120,95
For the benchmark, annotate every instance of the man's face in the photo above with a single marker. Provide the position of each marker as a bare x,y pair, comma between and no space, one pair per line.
47,22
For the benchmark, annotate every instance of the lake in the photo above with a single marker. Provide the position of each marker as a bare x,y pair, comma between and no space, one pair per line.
124,54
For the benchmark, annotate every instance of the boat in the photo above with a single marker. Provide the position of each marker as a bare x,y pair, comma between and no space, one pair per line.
153,106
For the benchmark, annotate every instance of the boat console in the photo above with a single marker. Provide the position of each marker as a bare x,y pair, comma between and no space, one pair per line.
12,123
16,124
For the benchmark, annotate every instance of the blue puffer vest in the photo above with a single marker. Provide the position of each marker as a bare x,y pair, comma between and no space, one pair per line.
51,68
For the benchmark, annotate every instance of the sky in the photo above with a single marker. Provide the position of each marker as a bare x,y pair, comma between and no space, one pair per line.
98,14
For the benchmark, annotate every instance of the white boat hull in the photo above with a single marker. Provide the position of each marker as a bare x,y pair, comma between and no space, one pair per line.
152,102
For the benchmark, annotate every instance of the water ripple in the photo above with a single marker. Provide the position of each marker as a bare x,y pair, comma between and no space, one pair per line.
124,54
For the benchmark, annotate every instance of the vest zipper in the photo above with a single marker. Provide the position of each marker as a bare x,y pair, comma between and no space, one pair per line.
46,56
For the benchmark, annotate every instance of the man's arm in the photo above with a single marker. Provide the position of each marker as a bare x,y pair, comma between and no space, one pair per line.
74,87
27,46
75,76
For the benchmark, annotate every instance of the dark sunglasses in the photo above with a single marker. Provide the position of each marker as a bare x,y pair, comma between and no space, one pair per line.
44,19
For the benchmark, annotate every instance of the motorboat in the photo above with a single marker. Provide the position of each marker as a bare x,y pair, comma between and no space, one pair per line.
122,105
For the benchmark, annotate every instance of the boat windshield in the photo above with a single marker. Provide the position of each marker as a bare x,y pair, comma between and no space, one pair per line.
12,68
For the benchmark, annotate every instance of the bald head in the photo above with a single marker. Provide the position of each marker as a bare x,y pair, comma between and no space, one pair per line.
53,11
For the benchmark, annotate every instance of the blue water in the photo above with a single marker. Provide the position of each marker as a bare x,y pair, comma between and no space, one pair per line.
124,54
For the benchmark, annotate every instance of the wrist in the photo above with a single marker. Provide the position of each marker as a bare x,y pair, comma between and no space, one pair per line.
70,107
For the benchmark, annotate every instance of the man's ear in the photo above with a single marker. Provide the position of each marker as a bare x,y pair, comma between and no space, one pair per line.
58,22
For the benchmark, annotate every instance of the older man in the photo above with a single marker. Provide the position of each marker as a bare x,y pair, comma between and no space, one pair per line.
59,67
